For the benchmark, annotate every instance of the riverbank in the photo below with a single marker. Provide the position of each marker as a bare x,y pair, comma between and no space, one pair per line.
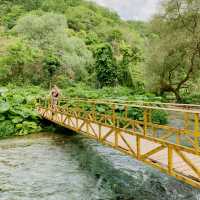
18,114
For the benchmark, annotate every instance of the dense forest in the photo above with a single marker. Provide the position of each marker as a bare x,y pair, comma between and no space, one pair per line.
89,51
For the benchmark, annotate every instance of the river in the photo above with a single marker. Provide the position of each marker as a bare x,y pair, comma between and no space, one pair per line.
64,166
43,166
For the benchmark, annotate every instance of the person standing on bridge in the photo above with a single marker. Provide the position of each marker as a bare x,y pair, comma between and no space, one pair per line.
55,93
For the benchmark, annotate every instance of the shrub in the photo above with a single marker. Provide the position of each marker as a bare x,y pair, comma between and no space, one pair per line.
106,69
10,18
159,117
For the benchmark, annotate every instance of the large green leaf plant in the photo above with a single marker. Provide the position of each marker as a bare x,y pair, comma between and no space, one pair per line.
17,111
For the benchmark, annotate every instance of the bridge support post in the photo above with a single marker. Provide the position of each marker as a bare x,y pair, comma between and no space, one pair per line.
99,132
170,160
186,121
126,112
116,138
113,114
196,131
94,111
138,147
145,121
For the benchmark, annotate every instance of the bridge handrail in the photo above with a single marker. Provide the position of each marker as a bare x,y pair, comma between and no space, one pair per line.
139,102
138,105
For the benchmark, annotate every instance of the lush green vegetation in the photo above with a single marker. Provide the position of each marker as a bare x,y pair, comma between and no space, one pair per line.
88,51
17,113
50,41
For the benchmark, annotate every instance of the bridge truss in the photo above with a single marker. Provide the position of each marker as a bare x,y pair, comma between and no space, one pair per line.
165,136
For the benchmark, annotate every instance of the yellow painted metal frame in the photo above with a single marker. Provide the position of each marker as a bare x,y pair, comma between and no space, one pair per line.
131,136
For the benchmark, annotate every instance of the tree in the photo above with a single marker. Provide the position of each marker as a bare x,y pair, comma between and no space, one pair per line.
48,32
130,58
82,18
27,4
106,68
55,6
174,54
19,56
9,19
51,64
41,30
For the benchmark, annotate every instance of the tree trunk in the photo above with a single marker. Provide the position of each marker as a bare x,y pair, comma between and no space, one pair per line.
168,88
178,96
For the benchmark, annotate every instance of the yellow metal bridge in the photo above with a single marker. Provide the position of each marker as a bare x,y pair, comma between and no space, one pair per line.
163,135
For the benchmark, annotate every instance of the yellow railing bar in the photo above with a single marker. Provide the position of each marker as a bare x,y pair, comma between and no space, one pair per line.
136,106
140,102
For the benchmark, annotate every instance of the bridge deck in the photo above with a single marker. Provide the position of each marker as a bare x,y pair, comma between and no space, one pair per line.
177,160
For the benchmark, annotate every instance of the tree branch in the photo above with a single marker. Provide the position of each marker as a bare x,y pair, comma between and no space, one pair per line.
181,17
188,73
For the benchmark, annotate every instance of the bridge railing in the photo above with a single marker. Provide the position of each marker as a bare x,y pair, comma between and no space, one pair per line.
175,123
